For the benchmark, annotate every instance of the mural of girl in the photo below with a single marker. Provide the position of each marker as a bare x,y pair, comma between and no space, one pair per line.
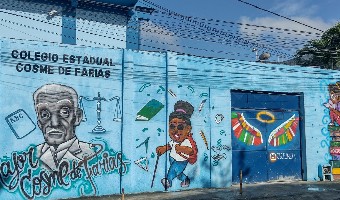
182,147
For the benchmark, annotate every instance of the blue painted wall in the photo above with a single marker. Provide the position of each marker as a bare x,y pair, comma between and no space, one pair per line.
126,152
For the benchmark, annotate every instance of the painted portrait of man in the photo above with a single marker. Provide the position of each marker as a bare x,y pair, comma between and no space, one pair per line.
58,115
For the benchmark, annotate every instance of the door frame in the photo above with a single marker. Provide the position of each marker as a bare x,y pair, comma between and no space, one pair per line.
301,112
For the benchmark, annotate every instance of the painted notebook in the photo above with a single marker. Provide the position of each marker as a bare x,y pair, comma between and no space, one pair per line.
149,110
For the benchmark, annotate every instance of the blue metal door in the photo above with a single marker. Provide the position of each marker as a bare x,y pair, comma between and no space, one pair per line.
266,138
284,146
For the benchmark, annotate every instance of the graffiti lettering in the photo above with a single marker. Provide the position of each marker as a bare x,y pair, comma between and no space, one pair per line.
106,163
10,170
221,148
220,152
22,171
218,157
43,183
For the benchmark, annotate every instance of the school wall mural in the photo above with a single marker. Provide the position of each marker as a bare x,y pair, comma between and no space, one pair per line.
81,121
332,132
171,143
62,109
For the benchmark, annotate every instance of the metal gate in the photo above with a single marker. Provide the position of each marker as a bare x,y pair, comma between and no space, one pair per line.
266,138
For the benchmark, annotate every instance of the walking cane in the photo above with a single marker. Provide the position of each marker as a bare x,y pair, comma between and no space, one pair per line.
154,172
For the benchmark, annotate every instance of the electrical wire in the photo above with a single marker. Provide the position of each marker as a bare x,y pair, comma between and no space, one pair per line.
125,41
215,21
186,17
279,15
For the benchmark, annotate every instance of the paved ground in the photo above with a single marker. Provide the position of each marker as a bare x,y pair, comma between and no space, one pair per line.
289,190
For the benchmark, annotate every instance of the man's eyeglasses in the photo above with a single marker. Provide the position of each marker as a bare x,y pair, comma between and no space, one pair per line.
179,126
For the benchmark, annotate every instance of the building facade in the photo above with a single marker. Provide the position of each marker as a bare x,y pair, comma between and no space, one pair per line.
85,114
122,107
